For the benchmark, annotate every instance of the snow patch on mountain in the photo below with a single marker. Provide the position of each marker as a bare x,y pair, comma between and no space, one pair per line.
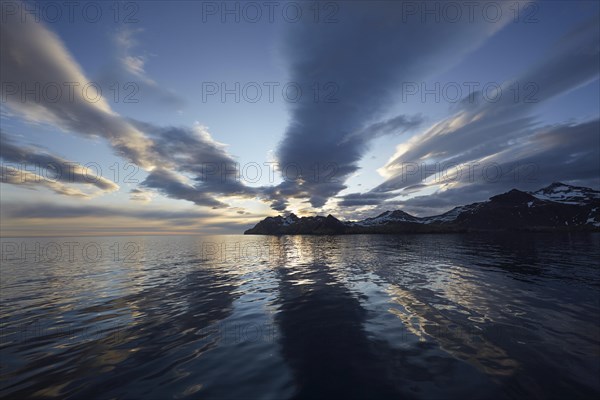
451,215
289,220
566,194
593,219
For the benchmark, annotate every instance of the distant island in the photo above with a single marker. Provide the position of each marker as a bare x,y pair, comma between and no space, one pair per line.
557,207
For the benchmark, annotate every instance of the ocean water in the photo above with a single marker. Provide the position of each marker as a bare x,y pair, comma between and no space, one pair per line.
365,316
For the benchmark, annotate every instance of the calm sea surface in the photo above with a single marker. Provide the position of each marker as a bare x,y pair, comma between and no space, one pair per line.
366,316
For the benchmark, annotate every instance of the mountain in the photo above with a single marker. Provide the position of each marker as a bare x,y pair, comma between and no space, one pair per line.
557,207
292,225
566,194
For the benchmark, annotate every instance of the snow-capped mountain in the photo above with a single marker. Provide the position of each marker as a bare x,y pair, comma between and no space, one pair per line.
557,207
567,194
388,217
292,225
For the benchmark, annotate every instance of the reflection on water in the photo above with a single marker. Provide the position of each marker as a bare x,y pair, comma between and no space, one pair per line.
323,339
366,316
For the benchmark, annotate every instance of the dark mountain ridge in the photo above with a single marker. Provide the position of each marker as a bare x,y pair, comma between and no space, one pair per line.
557,207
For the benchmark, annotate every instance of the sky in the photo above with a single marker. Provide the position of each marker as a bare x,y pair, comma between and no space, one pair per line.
184,117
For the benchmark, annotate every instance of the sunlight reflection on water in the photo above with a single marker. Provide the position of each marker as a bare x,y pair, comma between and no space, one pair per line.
276,317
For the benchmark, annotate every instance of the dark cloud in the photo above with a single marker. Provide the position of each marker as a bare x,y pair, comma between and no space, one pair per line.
171,185
193,152
364,199
364,58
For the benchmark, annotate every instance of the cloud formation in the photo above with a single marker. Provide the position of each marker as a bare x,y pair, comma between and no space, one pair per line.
351,73
34,58
40,218
129,68
502,135
360,63
30,167
43,83
55,211
193,152
566,153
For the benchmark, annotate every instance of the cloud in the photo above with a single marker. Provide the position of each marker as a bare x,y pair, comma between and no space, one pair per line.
506,133
34,57
363,199
360,63
174,186
564,152
397,125
140,195
35,60
129,66
35,219
125,40
33,181
135,65
55,211
364,58
193,152
29,167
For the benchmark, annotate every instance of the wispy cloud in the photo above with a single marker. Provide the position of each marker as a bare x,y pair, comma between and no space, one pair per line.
140,195
129,66
56,211
125,40
34,181
47,170
41,218
506,133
